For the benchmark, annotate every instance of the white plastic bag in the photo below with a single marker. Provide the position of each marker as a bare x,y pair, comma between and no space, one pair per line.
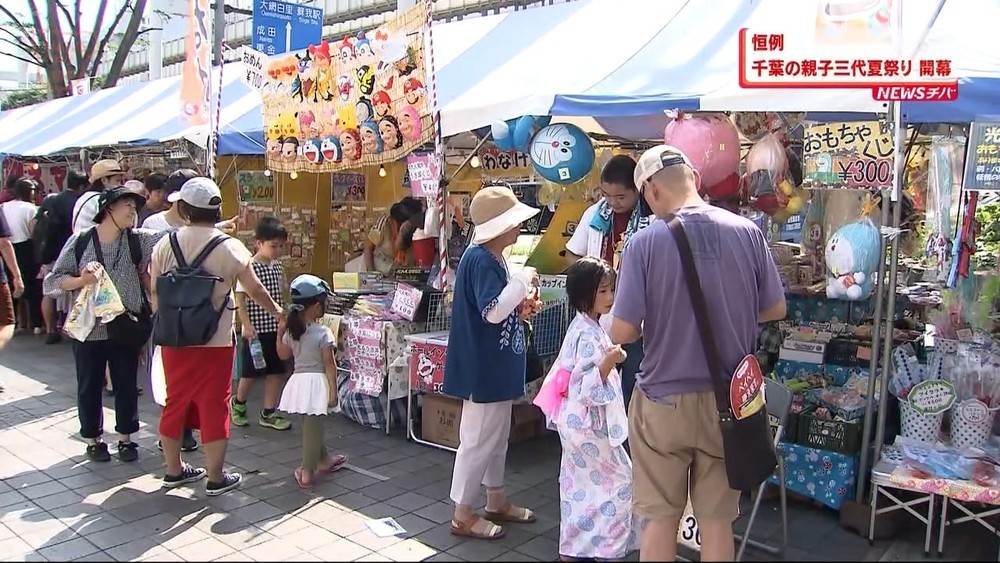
107,302
80,320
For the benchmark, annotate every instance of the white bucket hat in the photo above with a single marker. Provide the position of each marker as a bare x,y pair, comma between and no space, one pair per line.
496,210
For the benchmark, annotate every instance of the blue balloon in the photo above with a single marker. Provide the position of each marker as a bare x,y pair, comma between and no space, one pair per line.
562,153
501,135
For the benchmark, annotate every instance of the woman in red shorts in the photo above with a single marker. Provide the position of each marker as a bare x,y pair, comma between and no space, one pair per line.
199,378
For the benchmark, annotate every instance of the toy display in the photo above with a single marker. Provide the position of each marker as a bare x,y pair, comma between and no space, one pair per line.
711,142
852,256
770,182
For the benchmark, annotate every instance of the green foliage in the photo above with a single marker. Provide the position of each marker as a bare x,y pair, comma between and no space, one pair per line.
25,97
988,241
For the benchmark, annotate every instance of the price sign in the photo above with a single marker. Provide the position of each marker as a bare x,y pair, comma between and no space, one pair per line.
688,533
255,188
348,187
425,174
253,67
855,155
982,164
974,411
932,397
427,367
406,301
746,389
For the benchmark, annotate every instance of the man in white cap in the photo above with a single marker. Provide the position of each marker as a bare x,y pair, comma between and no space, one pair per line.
199,378
486,358
673,421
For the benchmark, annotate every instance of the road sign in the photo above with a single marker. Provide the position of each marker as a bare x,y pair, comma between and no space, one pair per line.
280,27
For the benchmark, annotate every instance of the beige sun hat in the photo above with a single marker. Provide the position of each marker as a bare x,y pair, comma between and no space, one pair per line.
104,169
496,210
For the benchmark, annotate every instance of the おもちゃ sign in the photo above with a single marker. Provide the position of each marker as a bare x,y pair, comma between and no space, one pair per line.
848,155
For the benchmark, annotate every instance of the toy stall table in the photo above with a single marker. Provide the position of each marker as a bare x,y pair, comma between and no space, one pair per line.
371,361
885,480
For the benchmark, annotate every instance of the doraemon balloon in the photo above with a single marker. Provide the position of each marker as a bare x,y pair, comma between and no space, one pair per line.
311,151
562,153
852,255
525,128
501,135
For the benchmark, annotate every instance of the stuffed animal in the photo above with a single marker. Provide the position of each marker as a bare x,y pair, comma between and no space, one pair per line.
852,255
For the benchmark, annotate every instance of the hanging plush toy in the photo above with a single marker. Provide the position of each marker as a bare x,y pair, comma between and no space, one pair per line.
562,153
712,143
852,256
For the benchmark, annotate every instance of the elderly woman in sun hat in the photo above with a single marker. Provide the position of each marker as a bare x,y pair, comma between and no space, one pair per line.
486,358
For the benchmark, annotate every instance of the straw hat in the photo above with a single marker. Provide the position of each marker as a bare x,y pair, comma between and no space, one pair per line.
496,210
104,169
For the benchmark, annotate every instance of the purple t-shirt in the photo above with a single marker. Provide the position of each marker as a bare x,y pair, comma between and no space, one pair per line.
739,280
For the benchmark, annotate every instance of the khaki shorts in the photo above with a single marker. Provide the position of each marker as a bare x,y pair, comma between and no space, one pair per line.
671,439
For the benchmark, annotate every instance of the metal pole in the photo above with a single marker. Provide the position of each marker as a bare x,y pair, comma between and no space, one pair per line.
220,31
866,435
897,212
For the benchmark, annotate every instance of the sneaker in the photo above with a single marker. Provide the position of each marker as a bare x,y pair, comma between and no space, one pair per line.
188,443
98,452
189,474
230,481
128,451
53,338
238,413
38,331
274,420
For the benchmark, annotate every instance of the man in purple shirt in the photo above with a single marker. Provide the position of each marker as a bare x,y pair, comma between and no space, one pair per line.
673,421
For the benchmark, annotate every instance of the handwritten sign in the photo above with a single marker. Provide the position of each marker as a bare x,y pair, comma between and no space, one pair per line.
253,67
425,174
347,187
493,159
427,367
406,301
746,389
856,155
365,354
982,163
256,188
932,397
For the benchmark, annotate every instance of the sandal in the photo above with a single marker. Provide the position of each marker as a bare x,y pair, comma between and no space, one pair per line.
512,514
300,478
333,464
465,529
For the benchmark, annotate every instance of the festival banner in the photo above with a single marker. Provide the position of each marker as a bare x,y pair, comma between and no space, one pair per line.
360,102
857,155
196,72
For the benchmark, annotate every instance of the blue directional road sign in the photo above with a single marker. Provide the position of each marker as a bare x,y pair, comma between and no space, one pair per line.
280,27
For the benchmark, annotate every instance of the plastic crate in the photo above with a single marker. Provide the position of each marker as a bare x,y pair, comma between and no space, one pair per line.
830,435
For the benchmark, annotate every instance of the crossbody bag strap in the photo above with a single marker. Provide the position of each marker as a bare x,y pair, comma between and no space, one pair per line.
701,315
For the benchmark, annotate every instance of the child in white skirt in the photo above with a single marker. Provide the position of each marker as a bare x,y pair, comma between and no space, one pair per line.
312,388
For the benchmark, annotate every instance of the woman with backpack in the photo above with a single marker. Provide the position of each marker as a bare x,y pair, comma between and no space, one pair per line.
115,250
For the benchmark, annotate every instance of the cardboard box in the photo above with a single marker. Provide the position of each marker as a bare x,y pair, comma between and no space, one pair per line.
356,280
442,417
802,351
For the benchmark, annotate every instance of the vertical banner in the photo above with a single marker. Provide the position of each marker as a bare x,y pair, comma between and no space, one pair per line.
196,72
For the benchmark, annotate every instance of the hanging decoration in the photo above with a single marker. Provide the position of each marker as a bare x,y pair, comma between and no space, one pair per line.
852,256
359,102
516,134
562,153
770,179
712,144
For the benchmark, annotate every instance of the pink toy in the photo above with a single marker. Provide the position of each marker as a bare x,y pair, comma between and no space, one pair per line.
712,143
554,390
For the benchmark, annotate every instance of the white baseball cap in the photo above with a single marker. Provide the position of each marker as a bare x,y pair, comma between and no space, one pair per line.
198,192
656,159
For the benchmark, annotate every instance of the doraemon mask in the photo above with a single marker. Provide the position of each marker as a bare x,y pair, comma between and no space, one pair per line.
311,151
330,149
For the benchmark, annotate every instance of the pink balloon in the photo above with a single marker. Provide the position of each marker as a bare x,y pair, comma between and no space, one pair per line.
711,142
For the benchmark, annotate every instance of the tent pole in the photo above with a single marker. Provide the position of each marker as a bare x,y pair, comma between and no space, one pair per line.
866,435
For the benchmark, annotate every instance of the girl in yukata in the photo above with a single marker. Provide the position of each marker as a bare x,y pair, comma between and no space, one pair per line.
582,399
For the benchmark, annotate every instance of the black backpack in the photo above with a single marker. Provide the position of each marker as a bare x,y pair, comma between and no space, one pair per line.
134,246
185,315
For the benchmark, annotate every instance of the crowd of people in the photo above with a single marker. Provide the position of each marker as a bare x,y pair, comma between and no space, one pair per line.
630,393
632,459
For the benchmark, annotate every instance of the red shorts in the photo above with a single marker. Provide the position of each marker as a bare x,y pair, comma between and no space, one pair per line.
6,305
199,384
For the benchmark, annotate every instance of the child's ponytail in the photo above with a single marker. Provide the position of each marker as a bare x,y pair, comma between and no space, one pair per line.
294,323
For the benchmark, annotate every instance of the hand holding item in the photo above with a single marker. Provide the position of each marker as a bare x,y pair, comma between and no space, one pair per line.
18,288
615,355
531,306
248,332
90,272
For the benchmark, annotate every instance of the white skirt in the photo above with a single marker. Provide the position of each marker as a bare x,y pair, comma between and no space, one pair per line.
305,393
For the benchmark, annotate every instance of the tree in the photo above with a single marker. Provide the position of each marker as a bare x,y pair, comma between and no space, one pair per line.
25,97
56,38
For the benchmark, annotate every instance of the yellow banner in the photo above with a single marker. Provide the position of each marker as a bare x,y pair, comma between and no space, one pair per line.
358,102
197,70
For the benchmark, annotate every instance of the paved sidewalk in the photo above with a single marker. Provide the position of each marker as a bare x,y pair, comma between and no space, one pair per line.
54,505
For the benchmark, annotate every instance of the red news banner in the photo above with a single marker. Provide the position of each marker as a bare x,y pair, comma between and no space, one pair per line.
764,63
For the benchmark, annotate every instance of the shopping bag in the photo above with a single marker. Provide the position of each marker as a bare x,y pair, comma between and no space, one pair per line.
107,302
80,320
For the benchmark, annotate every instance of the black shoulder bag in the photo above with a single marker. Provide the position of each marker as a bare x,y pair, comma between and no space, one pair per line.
747,443
131,329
